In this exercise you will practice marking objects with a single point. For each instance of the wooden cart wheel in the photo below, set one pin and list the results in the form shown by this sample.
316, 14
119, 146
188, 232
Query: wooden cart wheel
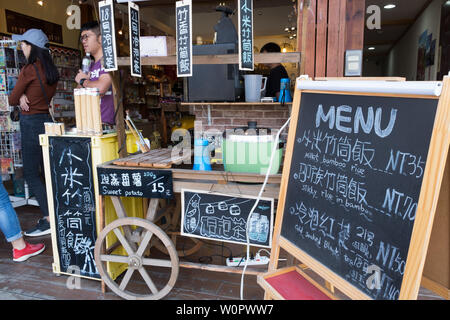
171, 224
135, 258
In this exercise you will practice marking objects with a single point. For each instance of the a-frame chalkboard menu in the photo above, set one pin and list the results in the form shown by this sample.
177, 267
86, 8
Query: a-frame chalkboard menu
361, 180
74, 206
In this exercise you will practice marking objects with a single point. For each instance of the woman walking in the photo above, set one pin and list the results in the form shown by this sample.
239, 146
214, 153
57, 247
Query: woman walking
34, 90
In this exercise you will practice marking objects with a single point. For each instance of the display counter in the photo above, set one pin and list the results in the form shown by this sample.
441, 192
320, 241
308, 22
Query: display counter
161, 226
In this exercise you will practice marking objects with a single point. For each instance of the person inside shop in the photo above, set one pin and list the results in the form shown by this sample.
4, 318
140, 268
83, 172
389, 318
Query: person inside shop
277, 72
34, 89
10, 226
97, 77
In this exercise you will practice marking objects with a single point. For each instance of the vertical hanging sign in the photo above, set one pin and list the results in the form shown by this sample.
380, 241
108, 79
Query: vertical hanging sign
135, 48
183, 15
245, 17
107, 28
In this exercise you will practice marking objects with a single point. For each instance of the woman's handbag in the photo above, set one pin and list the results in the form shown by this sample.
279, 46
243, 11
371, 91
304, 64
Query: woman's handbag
15, 114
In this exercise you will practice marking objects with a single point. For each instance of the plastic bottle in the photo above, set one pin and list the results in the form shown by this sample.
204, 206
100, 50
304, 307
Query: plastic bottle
253, 227
86, 63
263, 229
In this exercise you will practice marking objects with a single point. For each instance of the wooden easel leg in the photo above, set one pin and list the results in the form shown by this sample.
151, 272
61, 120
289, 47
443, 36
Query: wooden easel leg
102, 226
121, 213
152, 207
103, 287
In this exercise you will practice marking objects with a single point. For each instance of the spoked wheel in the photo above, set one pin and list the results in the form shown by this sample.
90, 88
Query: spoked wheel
171, 224
136, 245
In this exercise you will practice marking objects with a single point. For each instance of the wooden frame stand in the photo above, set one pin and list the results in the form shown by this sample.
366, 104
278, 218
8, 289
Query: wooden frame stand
415, 241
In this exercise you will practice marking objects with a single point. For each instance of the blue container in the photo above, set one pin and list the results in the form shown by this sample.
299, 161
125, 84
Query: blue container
201, 155
285, 92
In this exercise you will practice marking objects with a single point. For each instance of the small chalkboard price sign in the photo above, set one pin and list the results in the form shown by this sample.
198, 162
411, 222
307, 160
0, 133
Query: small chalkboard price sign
223, 217
74, 204
135, 183
107, 28
183, 18
363, 169
245, 18
135, 47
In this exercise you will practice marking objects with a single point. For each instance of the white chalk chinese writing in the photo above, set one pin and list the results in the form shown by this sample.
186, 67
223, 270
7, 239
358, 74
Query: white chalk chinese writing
184, 42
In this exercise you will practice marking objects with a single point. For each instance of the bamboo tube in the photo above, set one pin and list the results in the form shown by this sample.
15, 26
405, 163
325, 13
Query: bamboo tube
89, 128
77, 98
84, 112
96, 113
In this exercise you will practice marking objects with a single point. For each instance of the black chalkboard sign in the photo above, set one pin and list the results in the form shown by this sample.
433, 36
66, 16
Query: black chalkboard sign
354, 182
107, 28
74, 203
135, 183
245, 17
183, 16
223, 217
135, 46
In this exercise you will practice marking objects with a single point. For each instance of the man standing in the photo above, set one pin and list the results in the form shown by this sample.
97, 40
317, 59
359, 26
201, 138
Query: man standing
277, 72
97, 77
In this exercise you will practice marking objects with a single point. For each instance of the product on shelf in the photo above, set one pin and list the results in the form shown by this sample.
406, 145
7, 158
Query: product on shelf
4, 106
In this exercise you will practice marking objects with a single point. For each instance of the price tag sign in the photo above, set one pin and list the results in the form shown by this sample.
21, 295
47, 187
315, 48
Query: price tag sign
183, 15
245, 17
135, 183
135, 47
107, 28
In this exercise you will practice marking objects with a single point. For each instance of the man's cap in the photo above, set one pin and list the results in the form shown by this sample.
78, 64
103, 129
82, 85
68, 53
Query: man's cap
33, 36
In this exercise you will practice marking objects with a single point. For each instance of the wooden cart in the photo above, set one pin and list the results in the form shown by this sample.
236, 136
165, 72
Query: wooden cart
134, 246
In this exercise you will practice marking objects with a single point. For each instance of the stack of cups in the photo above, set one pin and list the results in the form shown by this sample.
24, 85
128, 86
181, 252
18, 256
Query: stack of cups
87, 111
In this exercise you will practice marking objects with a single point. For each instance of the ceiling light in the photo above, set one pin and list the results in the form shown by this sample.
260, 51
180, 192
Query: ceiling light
120, 32
390, 6
41, 3
371, 48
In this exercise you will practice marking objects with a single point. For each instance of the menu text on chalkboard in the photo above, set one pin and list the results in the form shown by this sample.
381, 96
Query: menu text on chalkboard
107, 28
74, 203
135, 47
183, 15
245, 16
223, 217
135, 183
354, 184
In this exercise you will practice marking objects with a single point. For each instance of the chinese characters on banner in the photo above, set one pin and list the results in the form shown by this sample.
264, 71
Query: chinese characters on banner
106, 10
135, 48
183, 15
245, 16
74, 203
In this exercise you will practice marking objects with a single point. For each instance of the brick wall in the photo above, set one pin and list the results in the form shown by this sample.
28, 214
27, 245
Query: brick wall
232, 116
223, 117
